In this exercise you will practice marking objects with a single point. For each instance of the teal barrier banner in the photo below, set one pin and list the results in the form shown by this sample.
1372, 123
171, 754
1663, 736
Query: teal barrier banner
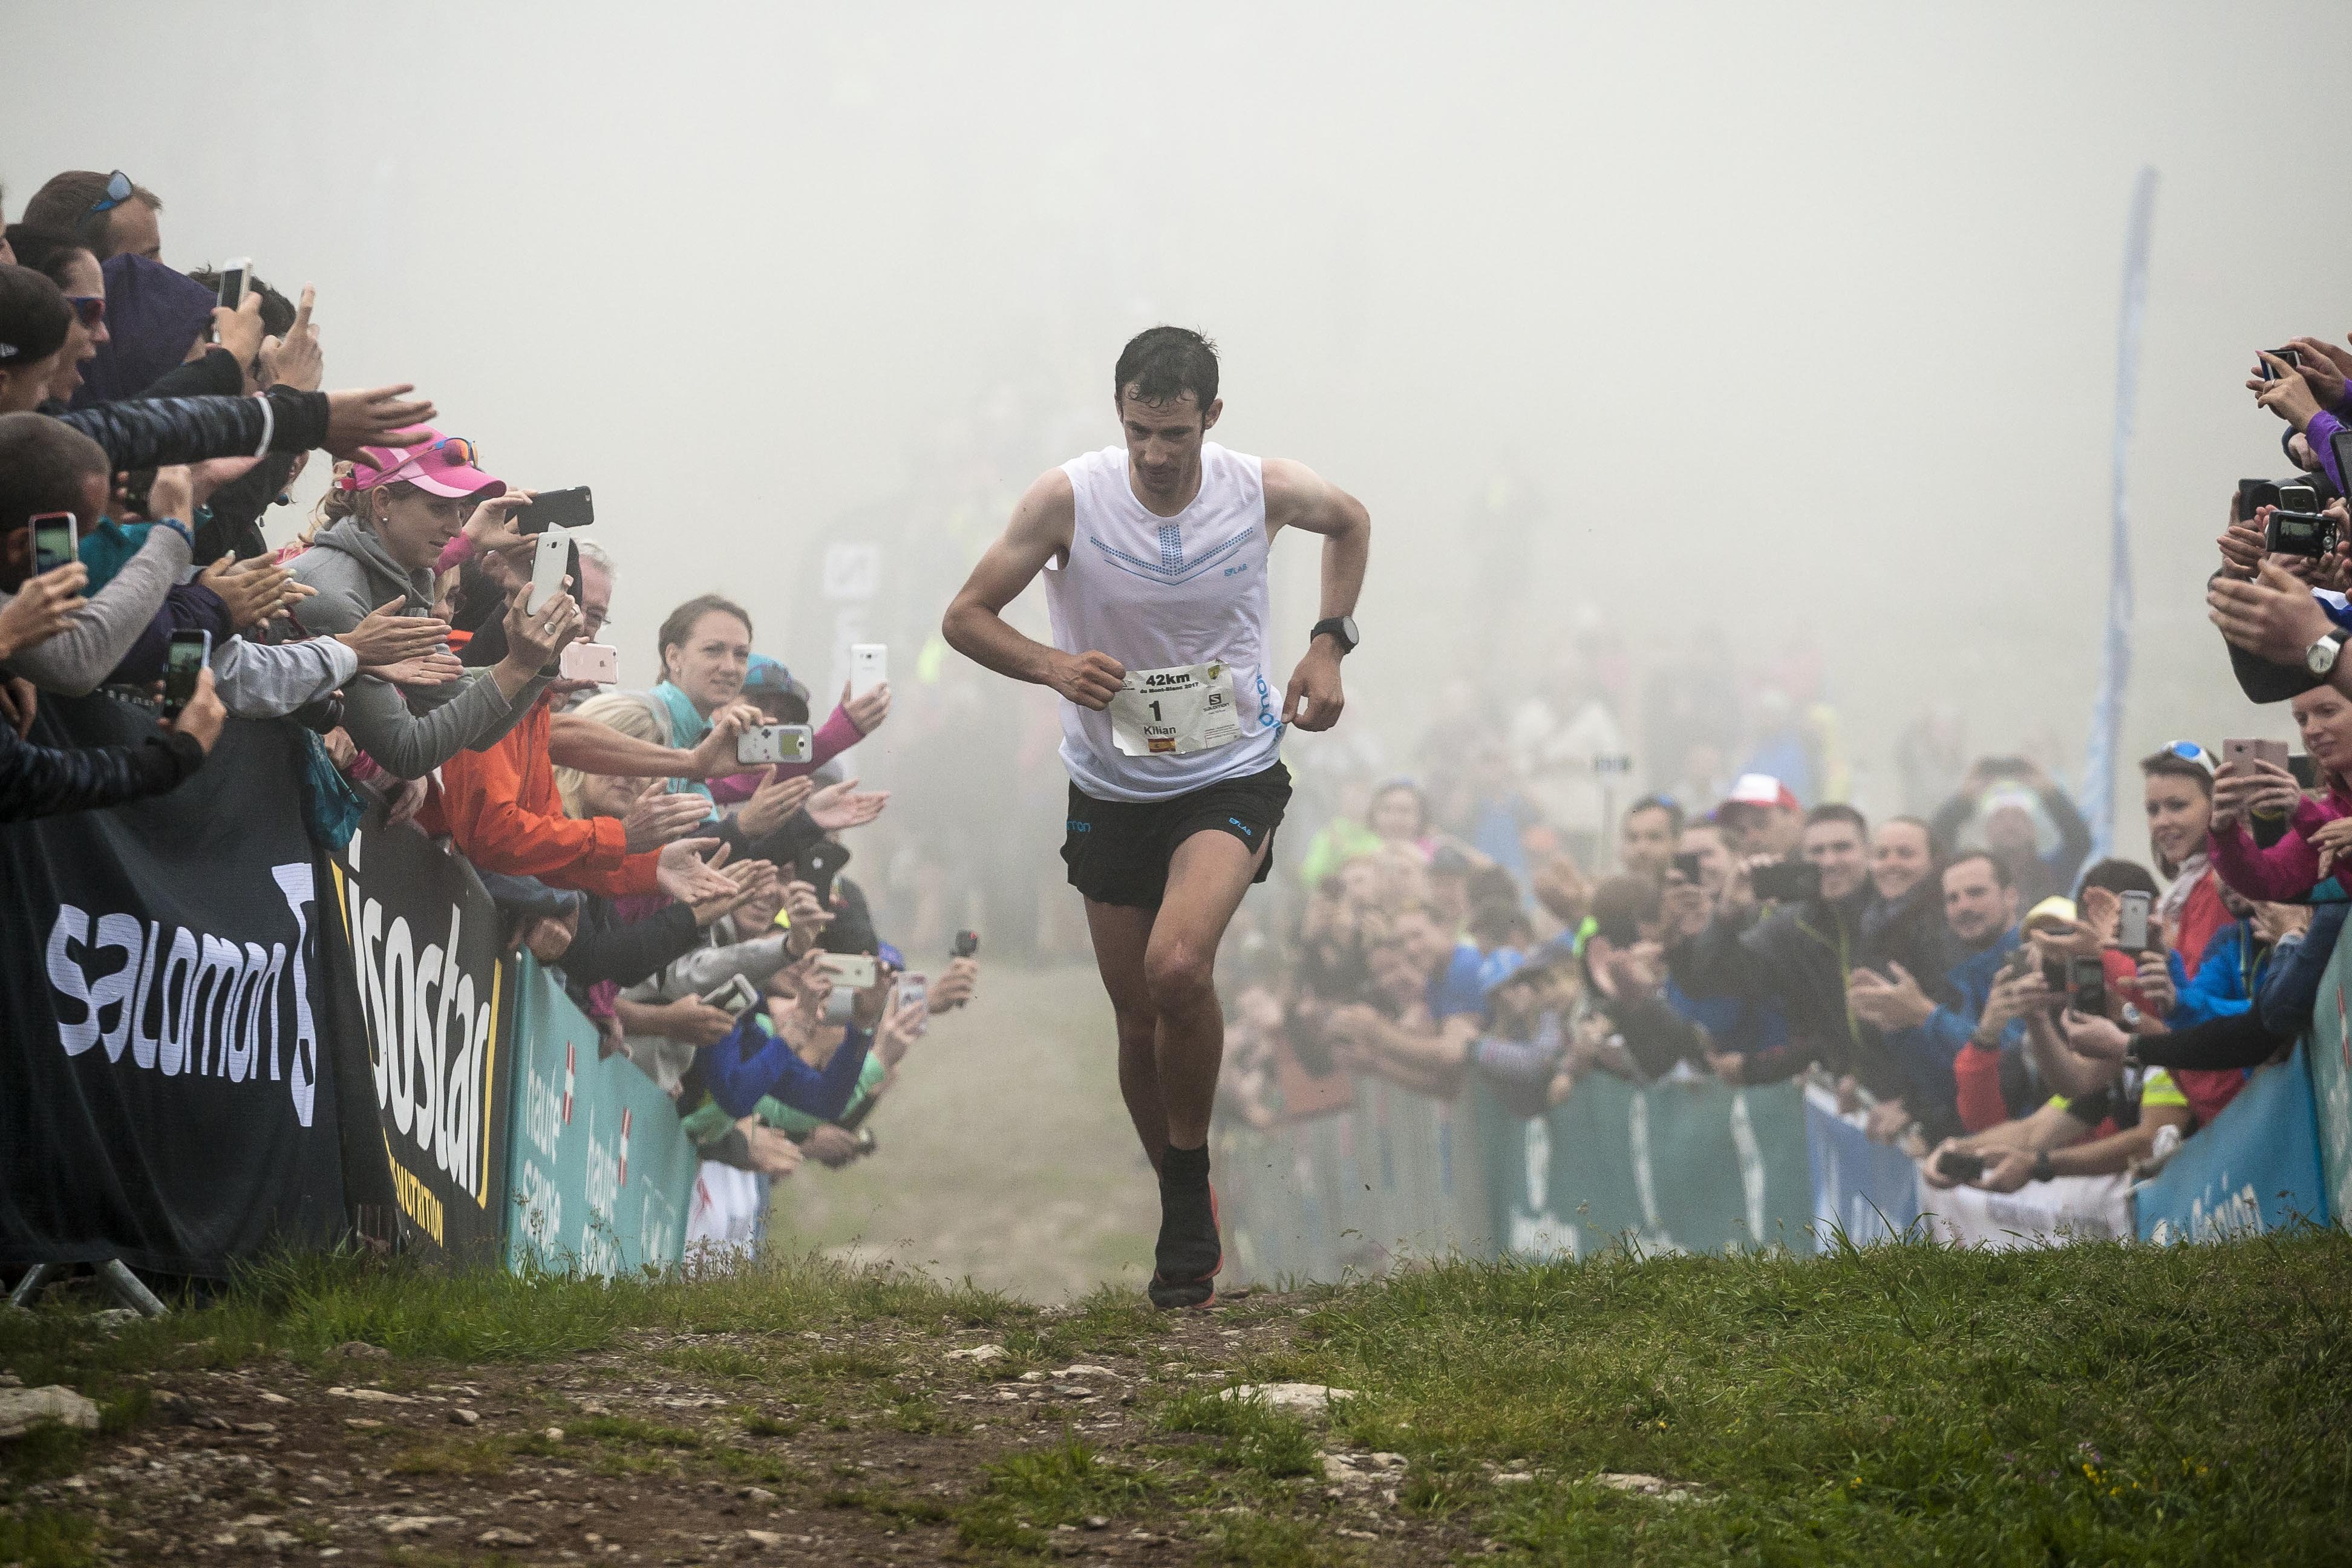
1684, 1165
2255, 1169
2330, 1054
603, 1172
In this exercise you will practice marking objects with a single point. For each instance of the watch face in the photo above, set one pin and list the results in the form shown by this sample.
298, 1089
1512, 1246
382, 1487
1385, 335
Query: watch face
1348, 630
2321, 656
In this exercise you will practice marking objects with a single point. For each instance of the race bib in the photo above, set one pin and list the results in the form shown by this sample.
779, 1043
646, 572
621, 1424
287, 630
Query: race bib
1173, 712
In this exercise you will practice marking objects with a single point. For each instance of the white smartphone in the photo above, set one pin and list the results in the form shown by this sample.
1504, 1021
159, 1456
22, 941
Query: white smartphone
851, 971
870, 666
236, 276
737, 996
548, 569
775, 744
597, 661
913, 989
2131, 927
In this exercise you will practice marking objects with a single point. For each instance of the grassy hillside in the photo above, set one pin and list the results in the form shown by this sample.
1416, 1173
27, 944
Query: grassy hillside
1902, 1404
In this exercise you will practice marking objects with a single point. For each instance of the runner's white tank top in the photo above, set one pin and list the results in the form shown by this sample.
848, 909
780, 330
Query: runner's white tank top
1154, 592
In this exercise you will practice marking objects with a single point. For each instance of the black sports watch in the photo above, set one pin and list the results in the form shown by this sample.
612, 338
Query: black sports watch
1340, 626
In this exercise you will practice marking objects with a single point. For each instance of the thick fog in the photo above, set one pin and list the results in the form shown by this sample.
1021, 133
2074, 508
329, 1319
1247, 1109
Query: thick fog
1723, 324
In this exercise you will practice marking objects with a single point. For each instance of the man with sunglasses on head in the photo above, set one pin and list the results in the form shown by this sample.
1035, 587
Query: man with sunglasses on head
1155, 555
109, 213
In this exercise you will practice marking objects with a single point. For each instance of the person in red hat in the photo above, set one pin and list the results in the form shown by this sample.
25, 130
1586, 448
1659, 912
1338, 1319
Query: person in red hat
1761, 817
392, 517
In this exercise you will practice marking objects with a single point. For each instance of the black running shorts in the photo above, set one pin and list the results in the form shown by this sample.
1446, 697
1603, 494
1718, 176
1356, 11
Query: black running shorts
1117, 850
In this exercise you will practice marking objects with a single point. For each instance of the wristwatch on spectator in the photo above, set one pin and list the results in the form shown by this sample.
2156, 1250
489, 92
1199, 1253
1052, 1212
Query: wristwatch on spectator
1340, 626
2041, 1171
2320, 656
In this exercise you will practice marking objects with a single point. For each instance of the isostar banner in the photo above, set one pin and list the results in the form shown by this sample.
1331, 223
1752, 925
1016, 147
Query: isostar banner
168, 1095
1863, 1191
2256, 1169
414, 946
602, 1172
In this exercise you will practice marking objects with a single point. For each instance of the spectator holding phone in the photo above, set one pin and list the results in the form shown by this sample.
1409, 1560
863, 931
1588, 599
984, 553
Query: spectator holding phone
393, 514
2312, 848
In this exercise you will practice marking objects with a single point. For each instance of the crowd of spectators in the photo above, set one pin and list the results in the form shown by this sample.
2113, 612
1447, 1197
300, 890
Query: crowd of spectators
690, 901
1991, 999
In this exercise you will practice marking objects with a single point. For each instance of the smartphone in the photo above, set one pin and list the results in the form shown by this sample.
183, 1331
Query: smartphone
56, 536
547, 569
870, 666
736, 997
2255, 752
1961, 1167
967, 944
2131, 930
183, 664
2086, 986
597, 661
1786, 882
775, 744
2021, 960
913, 989
1689, 867
235, 274
574, 508
820, 864
852, 971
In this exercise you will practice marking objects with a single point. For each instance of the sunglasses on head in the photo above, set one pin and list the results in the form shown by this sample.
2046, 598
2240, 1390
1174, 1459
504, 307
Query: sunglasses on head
2191, 751
118, 191
88, 309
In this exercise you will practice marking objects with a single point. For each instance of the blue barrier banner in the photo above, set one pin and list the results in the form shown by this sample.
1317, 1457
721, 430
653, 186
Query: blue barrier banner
602, 1170
1869, 1191
2255, 1169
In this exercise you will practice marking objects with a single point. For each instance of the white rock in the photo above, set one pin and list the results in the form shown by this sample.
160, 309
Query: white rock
1646, 1486
978, 1353
499, 1535
21, 1409
1512, 1478
412, 1523
372, 1395
768, 1538
1295, 1398
268, 1398
1036, 1377
1083, 1369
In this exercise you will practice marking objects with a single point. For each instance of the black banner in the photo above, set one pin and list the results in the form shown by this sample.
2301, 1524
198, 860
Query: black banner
168, 1095
417, 973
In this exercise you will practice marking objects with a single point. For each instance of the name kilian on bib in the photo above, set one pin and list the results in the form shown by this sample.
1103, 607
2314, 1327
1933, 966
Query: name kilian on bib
1175, 711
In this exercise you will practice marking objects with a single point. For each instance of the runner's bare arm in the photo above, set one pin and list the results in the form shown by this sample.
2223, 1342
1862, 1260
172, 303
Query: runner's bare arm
975, 626
1298, 496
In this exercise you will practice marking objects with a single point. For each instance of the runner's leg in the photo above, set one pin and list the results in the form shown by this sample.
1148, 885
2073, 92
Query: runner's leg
1121, 936
1207, 876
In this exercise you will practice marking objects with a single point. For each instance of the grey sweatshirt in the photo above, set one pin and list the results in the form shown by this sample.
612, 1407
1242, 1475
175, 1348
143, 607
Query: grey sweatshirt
409, 734
259, 680
73, 662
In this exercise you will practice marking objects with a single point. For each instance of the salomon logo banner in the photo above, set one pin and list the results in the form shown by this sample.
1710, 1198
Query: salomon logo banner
168, 1095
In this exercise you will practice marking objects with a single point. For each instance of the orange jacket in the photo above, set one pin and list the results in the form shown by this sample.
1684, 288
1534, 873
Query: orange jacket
501, 807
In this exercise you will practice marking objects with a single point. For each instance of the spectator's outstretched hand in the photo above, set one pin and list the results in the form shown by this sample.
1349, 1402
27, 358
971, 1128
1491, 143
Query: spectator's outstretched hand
2093, 1040
294, 360
2273, 617
1890, 1001
714, 756
957, 986
774, 801
18, 703
830, 1146
657, 818
240, 332
2006, 1170
202, 718
376, 417
43, 607
686, 877
252, 591
407, 799
867, 712
772, 1154
2286, 394
386, 635
809, 917
691, 1021
435, 668
837, 808
2324, 366
2332, 840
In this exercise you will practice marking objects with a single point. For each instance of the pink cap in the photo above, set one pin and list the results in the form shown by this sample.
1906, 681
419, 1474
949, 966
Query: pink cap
440, 465
1762, 789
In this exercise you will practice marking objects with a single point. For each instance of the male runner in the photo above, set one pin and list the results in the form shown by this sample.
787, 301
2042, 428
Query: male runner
1156, 557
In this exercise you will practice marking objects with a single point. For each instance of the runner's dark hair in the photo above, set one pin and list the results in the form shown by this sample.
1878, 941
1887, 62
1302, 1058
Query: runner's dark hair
1163, 363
